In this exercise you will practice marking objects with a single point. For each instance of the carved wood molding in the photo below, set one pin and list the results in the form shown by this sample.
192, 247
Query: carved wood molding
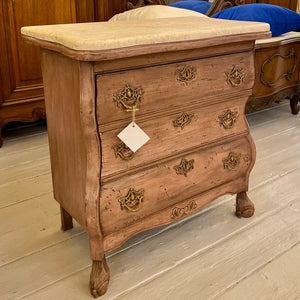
141, 3
219, 5
287, 75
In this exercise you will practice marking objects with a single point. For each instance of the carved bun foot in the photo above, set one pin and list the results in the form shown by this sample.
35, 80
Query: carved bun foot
294, 104
99, 278
244, 206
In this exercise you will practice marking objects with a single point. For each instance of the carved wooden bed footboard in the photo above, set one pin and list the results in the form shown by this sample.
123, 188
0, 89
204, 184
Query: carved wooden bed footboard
277, 72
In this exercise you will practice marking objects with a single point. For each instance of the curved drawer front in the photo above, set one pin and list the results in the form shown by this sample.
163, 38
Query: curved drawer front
134, 197
172, 134
169, 86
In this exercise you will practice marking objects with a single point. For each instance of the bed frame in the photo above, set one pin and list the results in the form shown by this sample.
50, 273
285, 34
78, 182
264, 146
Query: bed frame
276, 63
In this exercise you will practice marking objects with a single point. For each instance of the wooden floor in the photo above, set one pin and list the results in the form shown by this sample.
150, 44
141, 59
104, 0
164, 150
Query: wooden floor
211, 255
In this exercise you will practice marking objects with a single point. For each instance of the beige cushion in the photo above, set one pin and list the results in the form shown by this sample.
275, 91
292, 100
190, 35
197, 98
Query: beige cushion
155, 12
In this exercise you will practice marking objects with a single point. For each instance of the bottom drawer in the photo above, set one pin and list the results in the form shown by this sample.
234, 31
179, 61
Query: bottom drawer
134, 197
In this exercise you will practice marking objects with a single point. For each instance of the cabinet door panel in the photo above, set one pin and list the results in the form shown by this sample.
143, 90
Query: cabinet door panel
22, 69
105, 9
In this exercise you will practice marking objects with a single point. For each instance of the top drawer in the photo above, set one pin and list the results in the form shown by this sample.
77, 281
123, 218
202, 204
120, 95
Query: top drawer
170, 86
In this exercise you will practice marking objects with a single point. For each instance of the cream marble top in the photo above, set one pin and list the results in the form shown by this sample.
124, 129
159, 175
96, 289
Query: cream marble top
115, 35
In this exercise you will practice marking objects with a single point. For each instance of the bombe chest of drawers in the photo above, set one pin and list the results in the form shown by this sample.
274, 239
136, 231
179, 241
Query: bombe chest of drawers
187, 82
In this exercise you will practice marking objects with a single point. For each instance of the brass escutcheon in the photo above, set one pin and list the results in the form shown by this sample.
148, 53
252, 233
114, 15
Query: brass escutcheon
183, 120
123, 151
178, 212
228, 119
231, 161
129, 97
235, 76
186, 74
184, 167
132, 201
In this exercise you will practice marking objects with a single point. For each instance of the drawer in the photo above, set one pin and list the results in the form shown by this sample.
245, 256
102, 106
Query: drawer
131, 198
199, 126
165, 87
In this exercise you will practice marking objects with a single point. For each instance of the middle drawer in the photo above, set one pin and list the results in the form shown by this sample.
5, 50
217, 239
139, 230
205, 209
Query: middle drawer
171, 135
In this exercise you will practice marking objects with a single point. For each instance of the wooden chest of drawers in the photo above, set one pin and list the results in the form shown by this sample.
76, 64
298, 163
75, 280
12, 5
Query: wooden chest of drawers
190, 95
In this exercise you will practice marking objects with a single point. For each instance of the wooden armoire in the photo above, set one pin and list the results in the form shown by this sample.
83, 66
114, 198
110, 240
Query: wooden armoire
21, 89
291, 4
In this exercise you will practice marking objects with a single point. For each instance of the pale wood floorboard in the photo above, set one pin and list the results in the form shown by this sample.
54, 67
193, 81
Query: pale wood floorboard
268, 283
210, 255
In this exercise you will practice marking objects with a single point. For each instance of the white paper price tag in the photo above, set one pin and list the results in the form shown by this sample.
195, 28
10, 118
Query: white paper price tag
133, 136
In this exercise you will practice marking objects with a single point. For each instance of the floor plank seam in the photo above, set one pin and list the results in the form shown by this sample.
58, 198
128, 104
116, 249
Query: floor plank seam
273, 178
9, 140
43, 248
214, 297
8, 152
15, 181
55, 281
276, 134
26, 162
27, 199
37, 162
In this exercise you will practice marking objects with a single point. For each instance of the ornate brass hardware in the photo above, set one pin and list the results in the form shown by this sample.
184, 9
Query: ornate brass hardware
186, 74
123, 151
183, 120
179, 212
231, 161
289, 73
184, 167
132, 201
235, 76
128, 98
228, 119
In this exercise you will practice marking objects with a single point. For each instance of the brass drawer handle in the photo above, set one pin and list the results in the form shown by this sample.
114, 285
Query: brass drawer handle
129, 97
132, 201
183, 120
184, 167
235, 76
231, 161
123, 151
186, 74
178, 212
228, 119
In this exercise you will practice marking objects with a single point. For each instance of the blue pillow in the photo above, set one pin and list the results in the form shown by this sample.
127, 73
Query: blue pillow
281, 19
195, 5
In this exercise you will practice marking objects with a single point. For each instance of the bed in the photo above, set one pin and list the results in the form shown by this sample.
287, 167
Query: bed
276, 62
